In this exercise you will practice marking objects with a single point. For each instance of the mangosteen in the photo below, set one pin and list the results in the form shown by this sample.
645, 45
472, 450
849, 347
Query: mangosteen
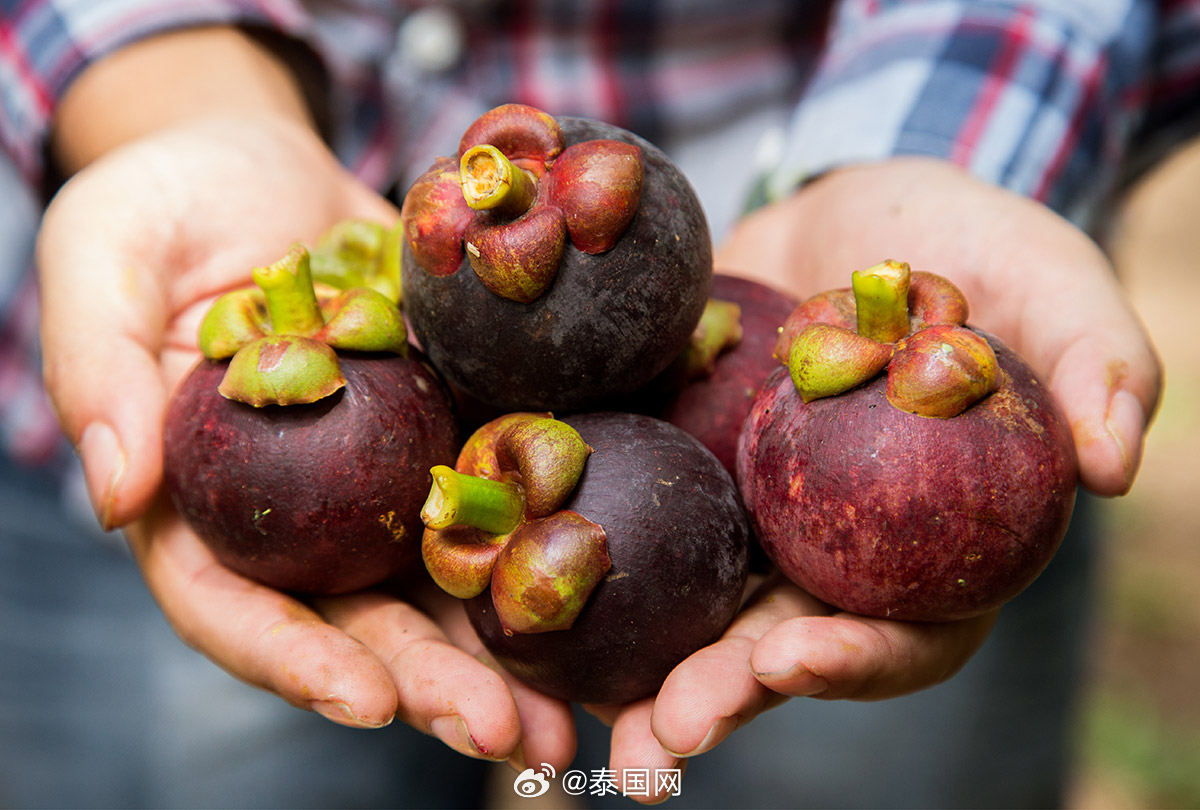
709, 388
298, 448
595, 552
904, 464
553, 262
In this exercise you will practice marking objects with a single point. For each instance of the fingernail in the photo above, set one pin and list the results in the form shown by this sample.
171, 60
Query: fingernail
796, 681
452, 730
103, 468
338, 712
719, 731
1125, 422
668, 790
516, 760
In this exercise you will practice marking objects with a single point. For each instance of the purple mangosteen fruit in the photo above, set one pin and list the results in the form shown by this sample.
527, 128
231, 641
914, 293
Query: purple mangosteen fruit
594, 552
709, 388
553, 262
903, 464
298, 449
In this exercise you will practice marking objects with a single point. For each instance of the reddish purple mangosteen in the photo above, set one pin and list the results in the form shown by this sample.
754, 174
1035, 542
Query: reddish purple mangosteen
298, 449
903, 464
553, 262
709, 388
595, 552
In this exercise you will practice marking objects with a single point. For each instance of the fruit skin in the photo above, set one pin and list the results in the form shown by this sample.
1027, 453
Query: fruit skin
889, 514
607, 325
678, 540
318, 498
713, 407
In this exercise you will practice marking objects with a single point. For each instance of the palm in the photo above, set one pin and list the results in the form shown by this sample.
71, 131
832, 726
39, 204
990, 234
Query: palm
142, 241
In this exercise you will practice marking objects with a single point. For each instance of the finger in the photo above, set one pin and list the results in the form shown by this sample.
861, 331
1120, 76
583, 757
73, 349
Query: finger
1108, 380
257, 634
548, 728
713, 691
442, 690
1068, 316
861, 658
547, 725
636, 756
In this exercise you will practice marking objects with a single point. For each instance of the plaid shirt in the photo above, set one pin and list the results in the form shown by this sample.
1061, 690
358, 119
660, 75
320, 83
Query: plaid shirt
1053, 99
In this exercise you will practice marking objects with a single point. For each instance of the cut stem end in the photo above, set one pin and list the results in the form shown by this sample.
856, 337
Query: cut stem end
491, 182
458, 499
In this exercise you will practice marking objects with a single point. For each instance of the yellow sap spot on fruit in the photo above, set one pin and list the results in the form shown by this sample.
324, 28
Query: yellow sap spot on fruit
398, 531
796, 486
962, 582
973, 557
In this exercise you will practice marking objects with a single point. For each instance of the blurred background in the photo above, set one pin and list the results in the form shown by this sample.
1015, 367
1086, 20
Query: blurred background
1138, 738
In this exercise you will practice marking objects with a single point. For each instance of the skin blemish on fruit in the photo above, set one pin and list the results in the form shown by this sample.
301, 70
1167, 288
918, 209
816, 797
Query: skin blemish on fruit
272, 355
796, 487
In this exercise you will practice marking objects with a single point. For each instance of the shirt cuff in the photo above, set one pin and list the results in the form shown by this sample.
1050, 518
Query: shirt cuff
45, 45
1033, 97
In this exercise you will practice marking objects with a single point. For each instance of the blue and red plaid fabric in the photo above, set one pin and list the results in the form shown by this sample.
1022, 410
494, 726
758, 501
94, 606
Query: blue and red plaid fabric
1052, 98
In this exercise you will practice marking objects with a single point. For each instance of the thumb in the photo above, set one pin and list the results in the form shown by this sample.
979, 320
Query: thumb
102, 317
1081, 333
1109, 389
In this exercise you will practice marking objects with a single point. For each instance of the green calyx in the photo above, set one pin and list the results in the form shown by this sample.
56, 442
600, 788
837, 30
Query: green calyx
719, 330
909, 323
497, 521
360, 253
281, 336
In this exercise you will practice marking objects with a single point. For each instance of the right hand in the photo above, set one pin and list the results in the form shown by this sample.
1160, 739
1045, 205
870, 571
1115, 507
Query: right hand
131, 252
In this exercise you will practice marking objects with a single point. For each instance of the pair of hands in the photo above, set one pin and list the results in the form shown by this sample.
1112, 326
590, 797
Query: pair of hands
136, 245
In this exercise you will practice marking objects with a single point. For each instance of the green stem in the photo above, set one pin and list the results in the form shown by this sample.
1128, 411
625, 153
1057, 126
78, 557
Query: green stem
291, 300
491, 182
881, 297
458, 499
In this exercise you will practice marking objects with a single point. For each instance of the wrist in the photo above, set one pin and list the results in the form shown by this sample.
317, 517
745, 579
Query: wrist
169, 80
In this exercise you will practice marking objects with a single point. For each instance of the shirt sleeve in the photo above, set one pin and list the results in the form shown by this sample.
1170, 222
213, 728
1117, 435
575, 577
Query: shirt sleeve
44, 44
1039, 97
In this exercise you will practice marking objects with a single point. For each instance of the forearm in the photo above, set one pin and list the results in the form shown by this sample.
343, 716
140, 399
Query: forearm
169, 79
